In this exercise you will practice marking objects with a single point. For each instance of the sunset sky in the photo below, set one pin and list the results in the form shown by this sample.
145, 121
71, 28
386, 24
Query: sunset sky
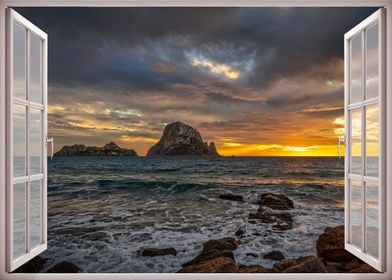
256, 81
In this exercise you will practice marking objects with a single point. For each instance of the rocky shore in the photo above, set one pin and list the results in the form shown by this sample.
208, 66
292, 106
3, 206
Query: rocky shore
217, 255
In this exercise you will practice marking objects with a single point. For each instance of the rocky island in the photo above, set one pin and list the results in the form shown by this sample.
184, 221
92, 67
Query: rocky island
110, 149
180, 139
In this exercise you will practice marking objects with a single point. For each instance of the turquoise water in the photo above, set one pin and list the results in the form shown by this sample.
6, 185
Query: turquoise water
102, 212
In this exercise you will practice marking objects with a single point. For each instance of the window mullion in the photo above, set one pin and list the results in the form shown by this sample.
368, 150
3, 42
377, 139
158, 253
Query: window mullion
363, 132
27, 142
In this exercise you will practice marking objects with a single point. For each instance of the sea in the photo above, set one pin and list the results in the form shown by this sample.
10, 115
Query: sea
103, 211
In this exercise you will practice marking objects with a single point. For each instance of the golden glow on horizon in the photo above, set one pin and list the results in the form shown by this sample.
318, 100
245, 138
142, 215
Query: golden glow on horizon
216, 68
239, 149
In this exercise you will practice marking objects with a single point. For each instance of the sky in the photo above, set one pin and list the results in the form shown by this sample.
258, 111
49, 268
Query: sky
256, 81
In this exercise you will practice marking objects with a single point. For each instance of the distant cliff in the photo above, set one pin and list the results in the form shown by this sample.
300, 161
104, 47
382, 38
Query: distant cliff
180, 139
110, 149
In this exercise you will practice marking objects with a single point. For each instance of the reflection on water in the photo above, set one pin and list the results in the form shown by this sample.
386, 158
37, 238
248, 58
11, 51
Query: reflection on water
104, 211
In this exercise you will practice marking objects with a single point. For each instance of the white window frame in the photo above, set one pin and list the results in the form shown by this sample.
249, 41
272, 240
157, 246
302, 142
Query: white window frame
200, 3
376, 18
13, 17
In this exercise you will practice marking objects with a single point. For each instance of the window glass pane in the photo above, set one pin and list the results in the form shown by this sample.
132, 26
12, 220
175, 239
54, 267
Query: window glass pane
372, 140
19, 141
372, 227
19, 219
35, 93
19, 61
372, 62
35, 213
356, 213
356, 69
356, 138
35, 126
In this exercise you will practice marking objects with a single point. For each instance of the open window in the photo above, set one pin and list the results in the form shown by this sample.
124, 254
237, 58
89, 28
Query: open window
365, 140
26, 138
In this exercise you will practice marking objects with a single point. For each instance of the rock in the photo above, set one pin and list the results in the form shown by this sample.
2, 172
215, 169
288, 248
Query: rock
364, 268
230, 196
180, 139
333, 269
253, 269
239, 232
214, 249
278, 220
276, 201
227, 243
284, 264
330, 245
110, 149
274, 255
314, 265
209, 255
216, 265
252, 255
64, 267
35, 265
214, 257
352, 264
305, 259
153, 252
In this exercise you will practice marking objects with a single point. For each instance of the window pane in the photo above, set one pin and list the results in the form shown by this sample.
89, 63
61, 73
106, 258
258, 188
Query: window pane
372, 62
19, 61
372, 140
35, 141
356, 213
19, 219
356, 144
356, 69
35, 213
35, 93
19, 141
372, 227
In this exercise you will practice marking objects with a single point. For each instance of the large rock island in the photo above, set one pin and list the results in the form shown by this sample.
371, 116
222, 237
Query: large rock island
110, 149
180, 139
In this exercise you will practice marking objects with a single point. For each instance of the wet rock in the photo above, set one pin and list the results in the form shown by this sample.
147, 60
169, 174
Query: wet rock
352, 264
239, 232
227, 243
253, 269
310, 265
216, 265
180, 139
252, 255
284, 264
305, 259
364, 268
330, 245
279, 220
276, 201
64, 267
153, 252
274, 255
288, 263
35, 265
233, 197
333, 269
214, 249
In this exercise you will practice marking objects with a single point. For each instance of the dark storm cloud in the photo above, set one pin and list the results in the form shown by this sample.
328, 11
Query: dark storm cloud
282, 40
263, 76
